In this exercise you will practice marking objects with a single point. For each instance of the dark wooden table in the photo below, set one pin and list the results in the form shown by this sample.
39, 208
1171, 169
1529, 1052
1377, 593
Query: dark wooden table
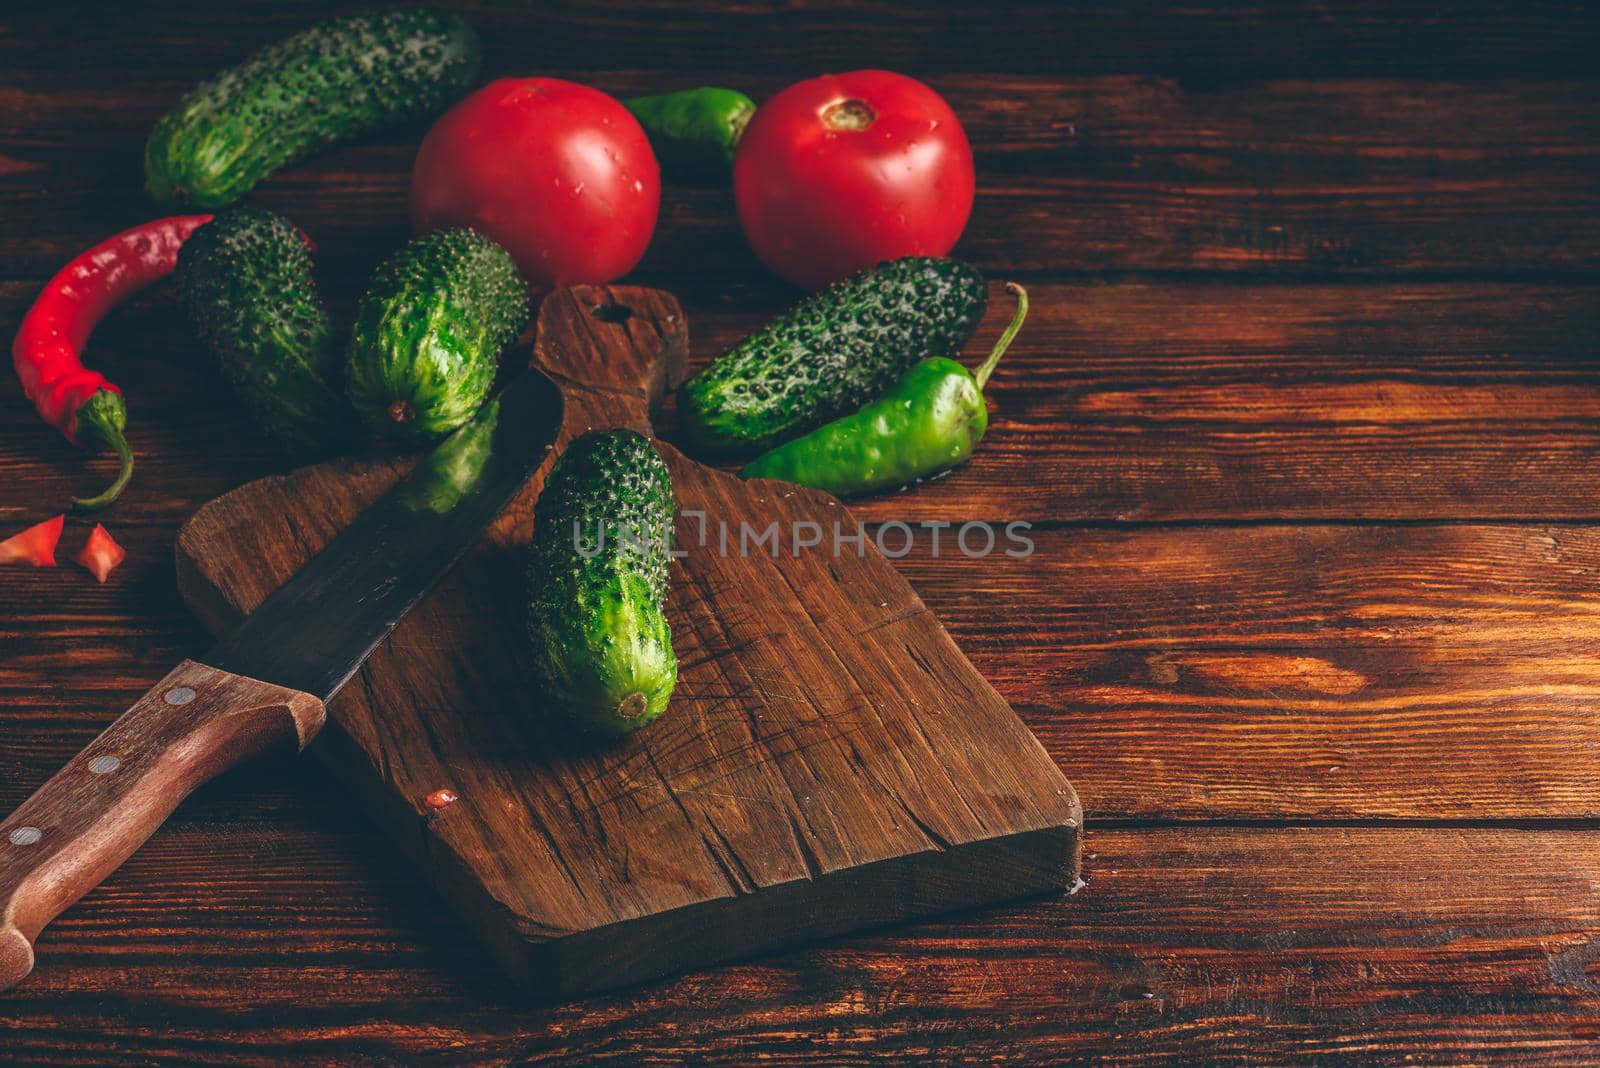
1307, 421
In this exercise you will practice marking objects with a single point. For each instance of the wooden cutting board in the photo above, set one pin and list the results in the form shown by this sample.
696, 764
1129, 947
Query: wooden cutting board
830, 760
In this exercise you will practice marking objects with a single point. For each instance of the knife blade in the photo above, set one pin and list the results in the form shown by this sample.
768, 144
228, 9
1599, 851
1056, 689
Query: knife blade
315, 630
268, 680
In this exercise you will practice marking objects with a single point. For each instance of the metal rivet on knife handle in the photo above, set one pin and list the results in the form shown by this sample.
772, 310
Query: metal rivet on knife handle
195, 724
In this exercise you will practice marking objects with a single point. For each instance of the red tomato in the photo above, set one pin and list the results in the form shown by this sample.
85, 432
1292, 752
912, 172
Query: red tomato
558, 173
841, 172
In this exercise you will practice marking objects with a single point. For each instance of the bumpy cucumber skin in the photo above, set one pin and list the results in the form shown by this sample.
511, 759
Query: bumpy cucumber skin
831, 353
428, 334
340, 79
598, 622
245, 283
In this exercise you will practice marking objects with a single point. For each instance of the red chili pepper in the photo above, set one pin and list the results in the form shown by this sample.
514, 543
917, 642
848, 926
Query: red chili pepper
47, 353
36, 545
100, 554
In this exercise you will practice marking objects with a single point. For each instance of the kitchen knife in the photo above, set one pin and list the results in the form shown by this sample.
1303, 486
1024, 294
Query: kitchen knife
266, 683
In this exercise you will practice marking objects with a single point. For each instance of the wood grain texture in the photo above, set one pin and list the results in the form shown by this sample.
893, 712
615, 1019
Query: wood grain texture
1358, 345
1090, 175
1137, 403
1132, 401
1187, 944
1123, 173
77, 828
686, 39
1326, 671
1308, 671
830, 760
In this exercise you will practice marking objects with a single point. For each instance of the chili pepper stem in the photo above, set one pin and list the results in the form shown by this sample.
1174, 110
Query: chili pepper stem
103, 417
113, 491
999, 350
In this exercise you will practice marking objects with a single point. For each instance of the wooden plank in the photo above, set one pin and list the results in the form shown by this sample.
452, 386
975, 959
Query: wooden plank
1442, 350
690, 42
306, 942
830, 762
303, 940
1336, 671
1304, 671
1134, 401
1112, 173
1144, 402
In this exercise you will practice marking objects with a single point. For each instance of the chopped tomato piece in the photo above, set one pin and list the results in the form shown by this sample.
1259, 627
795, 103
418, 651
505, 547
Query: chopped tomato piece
36, 545
101, 554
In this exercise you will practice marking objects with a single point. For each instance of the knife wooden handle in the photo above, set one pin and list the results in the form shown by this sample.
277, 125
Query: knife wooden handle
90, 817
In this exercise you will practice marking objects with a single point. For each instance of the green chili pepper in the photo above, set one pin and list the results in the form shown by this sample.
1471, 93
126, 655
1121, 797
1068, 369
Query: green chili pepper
694, 131
929, 422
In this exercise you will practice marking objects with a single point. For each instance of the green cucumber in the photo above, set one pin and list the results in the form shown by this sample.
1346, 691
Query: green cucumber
244, 281
831, 354
451, 469
428, 334
598, 583
338, 80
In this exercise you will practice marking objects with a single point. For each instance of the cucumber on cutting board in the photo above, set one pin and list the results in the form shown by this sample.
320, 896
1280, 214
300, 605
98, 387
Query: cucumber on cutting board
428, 334
831, 353
340, 79
244, 281
598, 582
